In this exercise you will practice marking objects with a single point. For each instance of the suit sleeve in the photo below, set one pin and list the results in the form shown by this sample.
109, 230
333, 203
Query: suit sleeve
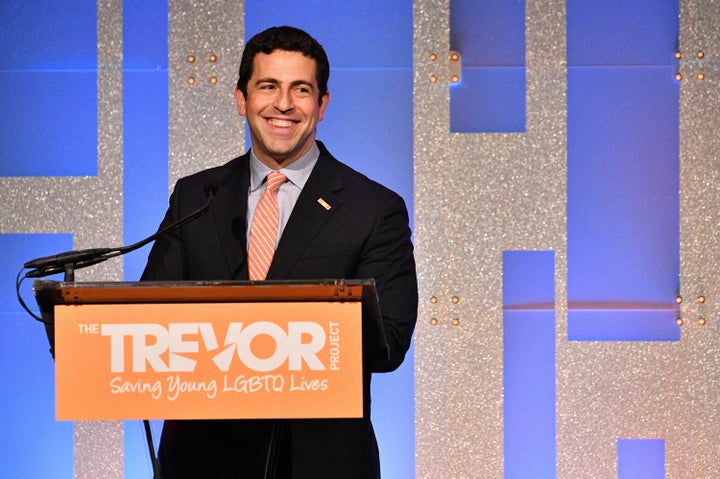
388, 257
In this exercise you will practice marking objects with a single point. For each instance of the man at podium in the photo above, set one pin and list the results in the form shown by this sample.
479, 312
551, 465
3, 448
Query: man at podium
287, 210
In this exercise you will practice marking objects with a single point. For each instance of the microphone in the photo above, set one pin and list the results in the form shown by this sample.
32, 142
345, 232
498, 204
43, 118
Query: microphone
69, 257
71, 260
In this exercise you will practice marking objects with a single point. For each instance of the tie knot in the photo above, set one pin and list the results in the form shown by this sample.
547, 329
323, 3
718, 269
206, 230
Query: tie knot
274, 180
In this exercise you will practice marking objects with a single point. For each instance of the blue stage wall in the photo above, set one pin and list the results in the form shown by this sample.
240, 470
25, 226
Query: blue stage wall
622, 103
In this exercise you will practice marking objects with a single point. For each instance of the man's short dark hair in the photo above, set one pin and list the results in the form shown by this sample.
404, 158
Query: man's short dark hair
286, 38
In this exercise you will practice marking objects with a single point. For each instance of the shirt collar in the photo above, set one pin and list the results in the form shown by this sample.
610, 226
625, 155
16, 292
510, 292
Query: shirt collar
296, 172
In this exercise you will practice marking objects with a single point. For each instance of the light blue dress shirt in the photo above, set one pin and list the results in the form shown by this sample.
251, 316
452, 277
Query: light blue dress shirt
297, 174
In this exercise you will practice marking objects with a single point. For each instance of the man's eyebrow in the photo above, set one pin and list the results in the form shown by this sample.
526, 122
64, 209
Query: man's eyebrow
303, 82
266, 80
274, 81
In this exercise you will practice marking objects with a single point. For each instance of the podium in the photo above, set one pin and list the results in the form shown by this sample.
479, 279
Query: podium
211, 350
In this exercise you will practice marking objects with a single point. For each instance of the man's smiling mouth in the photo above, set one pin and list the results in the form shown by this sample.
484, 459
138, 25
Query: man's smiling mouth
280, 123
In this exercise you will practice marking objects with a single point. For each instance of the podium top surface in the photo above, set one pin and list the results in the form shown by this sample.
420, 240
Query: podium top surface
49, 293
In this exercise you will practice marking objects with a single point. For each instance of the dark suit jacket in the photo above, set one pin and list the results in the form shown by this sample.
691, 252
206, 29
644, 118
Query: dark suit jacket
364, 234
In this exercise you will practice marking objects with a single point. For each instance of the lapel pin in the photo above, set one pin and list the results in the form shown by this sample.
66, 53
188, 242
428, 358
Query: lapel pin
324, 204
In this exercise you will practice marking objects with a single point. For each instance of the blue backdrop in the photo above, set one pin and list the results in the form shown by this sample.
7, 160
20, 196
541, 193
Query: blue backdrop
623, 143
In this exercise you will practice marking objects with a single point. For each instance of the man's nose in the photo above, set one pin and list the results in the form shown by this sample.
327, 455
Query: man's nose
284, 102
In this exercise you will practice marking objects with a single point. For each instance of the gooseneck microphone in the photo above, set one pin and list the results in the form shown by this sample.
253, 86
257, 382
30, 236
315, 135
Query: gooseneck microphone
50, 262
69, 261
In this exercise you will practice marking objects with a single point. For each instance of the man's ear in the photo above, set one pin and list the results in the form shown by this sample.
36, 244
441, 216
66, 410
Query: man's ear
324, 100
240, 101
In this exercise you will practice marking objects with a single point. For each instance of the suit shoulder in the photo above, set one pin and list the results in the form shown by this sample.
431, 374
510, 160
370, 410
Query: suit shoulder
358, 179
350, 177
369, 191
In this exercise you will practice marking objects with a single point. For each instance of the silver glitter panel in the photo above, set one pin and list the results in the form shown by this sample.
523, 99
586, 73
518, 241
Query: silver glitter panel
499, 192
699, 234
99, 444
205, 44
507, 191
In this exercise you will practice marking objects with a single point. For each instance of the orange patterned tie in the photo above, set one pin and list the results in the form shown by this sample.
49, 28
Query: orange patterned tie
264, 229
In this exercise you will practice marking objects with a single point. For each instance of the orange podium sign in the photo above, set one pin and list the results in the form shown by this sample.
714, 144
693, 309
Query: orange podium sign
135, 354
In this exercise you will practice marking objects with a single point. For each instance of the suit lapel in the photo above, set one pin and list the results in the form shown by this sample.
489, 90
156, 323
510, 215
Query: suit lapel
229, 214
318, 201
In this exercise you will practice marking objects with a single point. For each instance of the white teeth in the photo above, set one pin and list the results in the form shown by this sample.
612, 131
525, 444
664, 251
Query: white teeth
281, 123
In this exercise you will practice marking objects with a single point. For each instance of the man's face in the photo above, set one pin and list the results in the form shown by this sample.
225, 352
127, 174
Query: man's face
282, 106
